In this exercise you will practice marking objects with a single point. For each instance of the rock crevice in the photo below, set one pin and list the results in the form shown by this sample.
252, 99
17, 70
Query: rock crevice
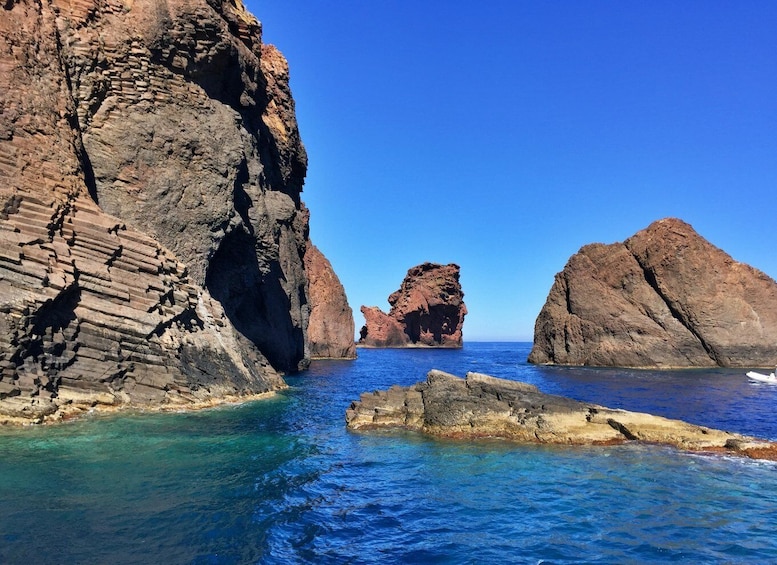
677, 313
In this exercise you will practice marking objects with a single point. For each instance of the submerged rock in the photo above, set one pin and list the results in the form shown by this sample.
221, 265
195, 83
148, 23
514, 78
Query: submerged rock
427, 310
482, 406
151, 227
331, 327
664, 298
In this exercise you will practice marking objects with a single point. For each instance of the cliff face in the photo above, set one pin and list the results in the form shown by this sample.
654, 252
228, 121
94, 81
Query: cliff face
331, 327
664, 298
428, 309
152, 233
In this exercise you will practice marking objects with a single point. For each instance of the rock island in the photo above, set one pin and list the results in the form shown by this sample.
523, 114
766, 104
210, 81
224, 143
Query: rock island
482, 406
427, 310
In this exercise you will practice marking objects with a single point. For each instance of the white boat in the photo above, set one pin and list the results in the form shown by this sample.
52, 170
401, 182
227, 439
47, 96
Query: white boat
770, 378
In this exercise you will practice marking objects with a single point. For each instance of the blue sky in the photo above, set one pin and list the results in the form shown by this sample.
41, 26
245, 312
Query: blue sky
505, 135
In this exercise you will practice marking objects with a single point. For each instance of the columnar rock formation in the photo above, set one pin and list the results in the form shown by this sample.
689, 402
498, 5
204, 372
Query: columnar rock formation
483, 406
331, 327
427, 310
151, 229
663, 298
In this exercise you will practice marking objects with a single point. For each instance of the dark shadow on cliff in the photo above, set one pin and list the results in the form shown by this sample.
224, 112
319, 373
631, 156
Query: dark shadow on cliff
240, 198
440, 321
255, 302
54, 318
89, 178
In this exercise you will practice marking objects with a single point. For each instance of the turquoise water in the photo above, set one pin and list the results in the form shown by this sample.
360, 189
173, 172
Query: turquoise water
282, 481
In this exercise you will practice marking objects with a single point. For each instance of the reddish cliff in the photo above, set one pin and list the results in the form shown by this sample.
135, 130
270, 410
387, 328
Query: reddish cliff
428, 309
151, 228
331, 327
665, 297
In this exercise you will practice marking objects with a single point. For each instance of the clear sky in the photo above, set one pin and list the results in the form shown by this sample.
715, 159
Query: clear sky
505, 135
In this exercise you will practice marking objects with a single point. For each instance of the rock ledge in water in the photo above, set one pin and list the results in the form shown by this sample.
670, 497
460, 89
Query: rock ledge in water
482, 406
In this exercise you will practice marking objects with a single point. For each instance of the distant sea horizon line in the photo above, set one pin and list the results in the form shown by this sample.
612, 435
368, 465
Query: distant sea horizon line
477, 340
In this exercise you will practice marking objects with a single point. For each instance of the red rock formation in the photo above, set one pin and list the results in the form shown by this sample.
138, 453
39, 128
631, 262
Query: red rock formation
664, 298
381, 330
428, 309
331, 327
151, 228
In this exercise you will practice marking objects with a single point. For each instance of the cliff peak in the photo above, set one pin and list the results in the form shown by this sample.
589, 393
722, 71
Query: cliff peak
665, 297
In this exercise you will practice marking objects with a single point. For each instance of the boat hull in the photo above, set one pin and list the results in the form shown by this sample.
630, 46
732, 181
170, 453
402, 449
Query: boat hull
760, 377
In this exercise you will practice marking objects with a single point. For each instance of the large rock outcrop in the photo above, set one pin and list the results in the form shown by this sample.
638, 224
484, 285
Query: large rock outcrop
427, 310
151, 229
663, 298
482, 406
331, 327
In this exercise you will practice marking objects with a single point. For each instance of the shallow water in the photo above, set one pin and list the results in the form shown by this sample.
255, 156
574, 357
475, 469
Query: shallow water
282, 481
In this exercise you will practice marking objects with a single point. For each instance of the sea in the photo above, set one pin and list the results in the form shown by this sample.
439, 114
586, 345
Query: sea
281, 480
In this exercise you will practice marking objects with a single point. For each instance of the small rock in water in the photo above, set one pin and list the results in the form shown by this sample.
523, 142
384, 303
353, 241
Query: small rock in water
481, 406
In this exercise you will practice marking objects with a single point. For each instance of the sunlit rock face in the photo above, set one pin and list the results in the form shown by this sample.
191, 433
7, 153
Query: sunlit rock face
427, 310
331, 327
665, 297
152, 230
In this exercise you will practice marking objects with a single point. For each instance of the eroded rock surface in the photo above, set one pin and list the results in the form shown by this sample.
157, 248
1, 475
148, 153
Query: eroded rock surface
151, 229
482, 406
427, 310
664, 298
331, 327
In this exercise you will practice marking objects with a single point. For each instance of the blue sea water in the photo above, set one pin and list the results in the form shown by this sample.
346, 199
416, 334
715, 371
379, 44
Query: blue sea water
282, 481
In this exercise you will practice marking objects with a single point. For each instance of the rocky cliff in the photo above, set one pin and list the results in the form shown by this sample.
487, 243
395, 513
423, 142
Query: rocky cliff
481, 406
152, 233
331, 327
427, 310
665, 297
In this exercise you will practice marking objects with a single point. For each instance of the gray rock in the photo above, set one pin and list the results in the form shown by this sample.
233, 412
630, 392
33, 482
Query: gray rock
482, 406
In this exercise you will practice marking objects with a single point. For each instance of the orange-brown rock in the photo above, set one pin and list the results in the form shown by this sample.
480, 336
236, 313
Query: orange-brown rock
151, 229
427, 310
331, 326
664, 298
381, 330
482, 406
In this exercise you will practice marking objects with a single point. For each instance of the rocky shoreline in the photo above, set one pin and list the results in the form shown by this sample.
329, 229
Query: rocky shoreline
72, 412
155, 252
152, 232
69, 412
482, 406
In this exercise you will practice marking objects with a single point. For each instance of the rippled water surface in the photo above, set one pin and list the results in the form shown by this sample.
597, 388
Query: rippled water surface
282, 481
